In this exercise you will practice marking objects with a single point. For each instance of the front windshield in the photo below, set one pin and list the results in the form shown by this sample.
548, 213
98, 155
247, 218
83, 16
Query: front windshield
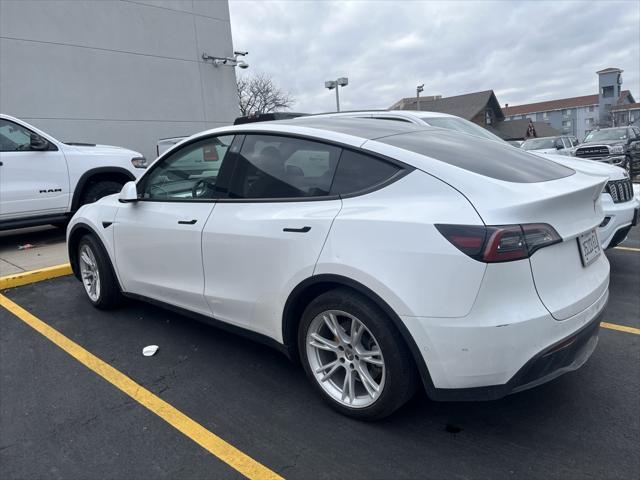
539, 143
461, 125
608, 134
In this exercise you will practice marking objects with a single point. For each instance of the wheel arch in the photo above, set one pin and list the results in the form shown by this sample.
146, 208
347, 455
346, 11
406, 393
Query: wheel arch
100, 173
78, 231
316, 285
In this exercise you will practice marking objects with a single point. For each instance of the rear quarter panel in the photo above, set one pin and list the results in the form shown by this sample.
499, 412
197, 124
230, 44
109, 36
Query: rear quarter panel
386, 240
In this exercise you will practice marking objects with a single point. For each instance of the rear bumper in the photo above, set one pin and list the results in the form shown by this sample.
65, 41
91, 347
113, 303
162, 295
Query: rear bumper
506, 344
564, 356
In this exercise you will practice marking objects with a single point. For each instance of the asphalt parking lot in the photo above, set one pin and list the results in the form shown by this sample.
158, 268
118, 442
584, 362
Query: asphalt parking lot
59, 419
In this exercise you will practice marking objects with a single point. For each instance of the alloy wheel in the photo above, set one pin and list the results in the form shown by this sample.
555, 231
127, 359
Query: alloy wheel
345, 358
89, 272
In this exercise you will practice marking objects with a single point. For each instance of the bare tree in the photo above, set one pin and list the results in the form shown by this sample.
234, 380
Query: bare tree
258, 94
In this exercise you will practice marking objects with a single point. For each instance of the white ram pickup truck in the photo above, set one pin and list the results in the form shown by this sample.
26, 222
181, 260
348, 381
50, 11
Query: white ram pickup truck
44, 181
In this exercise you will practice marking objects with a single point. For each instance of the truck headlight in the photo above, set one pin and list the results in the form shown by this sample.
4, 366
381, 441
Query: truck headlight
139, 162
617, 149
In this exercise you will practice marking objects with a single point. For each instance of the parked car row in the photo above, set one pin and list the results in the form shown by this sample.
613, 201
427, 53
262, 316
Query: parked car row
381, 249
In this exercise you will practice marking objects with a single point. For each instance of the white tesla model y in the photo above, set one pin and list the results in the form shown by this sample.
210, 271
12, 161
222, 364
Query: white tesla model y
380, 254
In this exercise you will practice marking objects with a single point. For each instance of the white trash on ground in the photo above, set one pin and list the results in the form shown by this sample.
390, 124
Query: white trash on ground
150, 350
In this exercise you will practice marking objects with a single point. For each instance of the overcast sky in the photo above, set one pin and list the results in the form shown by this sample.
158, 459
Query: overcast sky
524, 51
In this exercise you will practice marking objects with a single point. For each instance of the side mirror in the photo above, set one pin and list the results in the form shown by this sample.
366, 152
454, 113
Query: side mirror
129, 193
36, 142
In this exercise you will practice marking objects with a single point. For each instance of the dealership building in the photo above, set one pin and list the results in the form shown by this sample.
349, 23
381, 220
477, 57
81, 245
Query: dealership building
117, 72
579, 115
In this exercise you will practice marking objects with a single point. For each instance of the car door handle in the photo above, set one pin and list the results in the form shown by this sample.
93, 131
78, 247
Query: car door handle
187, 222
297, 230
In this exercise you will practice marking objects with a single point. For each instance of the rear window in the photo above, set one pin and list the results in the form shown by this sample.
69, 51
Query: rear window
491, 159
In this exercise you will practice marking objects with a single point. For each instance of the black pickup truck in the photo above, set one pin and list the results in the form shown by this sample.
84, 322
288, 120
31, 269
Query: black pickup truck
617, 145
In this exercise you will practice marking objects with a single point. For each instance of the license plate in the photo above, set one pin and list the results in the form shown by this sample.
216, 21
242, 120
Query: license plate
589, 247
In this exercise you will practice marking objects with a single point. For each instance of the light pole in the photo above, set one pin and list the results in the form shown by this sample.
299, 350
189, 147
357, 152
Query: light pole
331, 84
419, 88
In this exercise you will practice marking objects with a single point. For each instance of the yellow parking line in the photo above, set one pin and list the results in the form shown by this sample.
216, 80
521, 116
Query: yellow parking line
629, 249
620, 328
226, 452
25, 278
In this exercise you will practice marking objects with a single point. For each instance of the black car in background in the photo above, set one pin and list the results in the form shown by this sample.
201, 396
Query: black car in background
617, 145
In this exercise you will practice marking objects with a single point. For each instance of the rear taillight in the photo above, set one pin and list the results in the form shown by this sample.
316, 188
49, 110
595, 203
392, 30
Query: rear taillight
501, 243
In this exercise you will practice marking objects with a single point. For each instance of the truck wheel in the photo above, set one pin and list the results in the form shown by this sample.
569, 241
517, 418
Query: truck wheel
98, 190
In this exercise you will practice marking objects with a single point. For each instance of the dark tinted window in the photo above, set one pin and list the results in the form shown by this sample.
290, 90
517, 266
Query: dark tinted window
271, 166
491, 159
357, 171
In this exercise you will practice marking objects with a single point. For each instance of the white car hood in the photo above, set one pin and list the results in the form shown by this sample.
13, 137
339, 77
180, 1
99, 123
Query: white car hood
102, 150
587, 166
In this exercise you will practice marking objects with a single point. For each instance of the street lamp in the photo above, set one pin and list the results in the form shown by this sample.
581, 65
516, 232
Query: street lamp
419, 88
331, 84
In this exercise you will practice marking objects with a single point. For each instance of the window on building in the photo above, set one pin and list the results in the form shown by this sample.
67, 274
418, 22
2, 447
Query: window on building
545, 115
607, 91
588, 121
488, 117
566, 123
591, 108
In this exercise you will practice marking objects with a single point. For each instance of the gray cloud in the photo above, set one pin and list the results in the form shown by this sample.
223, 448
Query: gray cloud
524, 51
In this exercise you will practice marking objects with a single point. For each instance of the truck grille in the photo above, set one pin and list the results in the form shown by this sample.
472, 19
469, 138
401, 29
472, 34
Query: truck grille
587, 152
620, 190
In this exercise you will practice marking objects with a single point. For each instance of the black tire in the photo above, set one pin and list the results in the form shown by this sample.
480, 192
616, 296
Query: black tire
96, 191
109, 296
400, 378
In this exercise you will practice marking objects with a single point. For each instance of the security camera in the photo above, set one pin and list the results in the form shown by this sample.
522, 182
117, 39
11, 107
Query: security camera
241, 53
242, 64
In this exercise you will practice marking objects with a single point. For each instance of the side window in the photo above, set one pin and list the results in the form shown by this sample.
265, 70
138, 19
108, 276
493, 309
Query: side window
13, 137
357, 171
567, 142
189, 173
271, 166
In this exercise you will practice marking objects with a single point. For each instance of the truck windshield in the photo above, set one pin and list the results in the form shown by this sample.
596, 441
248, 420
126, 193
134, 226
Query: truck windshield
539, 143
607, 134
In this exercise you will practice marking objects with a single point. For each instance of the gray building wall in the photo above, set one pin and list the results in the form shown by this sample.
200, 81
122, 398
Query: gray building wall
577, 121
116, 72
609, 81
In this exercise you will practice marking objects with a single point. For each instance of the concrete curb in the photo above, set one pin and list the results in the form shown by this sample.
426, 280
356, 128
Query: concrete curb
33, 276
